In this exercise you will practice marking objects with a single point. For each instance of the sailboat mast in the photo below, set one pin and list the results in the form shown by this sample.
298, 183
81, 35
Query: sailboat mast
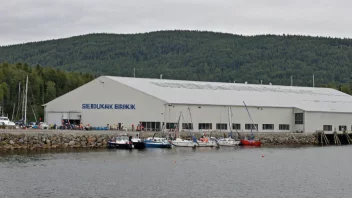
25, 104
13, 111
22, 109
250, 118
230, 120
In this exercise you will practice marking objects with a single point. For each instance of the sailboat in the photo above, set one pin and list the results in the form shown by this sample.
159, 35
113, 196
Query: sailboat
229, 141
203, 142
158, 142
251, 140
181, 142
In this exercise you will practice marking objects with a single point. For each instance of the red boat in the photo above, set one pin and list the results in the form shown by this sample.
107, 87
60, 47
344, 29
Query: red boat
251, 143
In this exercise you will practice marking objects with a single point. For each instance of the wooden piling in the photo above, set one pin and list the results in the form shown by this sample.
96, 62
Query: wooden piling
336, 138
349, 140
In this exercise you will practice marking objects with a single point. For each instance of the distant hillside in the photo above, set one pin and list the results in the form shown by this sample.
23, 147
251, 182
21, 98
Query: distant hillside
195, 55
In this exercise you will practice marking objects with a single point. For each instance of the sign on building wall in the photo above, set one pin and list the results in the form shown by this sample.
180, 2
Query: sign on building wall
108, 106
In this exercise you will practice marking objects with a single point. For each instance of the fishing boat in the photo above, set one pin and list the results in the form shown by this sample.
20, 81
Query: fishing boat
125, 142
229, 141
157, 142
251, 140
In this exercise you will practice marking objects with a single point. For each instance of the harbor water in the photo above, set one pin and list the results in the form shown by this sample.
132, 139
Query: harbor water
179, 172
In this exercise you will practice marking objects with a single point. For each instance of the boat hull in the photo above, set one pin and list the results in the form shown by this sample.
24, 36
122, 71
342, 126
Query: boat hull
157, 145
207, 144
230, 143
134, 145
250, 143
184, 143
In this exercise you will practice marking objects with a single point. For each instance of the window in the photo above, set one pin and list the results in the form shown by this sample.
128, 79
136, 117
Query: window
187, 126
236, 126
170, 125
150, 126
205, 126
251, 126
284, 127
327, 127
342, 127
298, 118
221, 126
268, 127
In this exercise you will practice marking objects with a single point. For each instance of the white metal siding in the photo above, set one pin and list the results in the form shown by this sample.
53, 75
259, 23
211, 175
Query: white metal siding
219, 114
106, 91
315, 121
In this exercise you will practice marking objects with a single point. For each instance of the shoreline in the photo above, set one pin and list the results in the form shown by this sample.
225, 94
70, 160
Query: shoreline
63, 139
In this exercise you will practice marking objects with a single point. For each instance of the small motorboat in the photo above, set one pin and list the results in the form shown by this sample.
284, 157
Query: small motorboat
156, 142
125, 142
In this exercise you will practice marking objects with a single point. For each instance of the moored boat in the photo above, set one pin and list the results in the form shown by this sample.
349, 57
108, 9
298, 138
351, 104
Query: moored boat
125, 142
156, 142
251, 143
228, 142
183, 143
207, 142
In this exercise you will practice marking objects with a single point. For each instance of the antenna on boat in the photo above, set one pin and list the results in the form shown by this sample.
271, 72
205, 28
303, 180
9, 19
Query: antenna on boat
161, 76
134, 72
291, 80
313, 80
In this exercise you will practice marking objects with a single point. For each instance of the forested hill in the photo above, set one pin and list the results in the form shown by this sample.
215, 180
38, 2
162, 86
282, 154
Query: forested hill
44, 85
195, 55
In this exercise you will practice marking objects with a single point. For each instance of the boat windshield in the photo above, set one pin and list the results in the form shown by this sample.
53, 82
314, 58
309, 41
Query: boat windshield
3, 118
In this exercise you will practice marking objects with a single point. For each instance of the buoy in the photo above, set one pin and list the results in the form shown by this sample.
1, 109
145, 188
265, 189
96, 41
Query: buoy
262, 155
175, 161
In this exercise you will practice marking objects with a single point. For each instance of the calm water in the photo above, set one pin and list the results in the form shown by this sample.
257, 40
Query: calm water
180, 172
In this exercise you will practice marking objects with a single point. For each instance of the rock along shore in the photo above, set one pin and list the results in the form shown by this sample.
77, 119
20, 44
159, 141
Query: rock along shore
62, 139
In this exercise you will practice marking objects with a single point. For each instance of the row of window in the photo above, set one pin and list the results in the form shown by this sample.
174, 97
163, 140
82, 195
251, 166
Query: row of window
329, 127
235, 126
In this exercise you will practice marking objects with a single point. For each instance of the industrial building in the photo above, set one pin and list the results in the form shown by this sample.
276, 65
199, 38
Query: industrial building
203, 105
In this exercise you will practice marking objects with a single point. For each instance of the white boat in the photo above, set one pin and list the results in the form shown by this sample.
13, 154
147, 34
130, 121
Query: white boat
204, 142
183, 143
5, 121
229, 141
207, 142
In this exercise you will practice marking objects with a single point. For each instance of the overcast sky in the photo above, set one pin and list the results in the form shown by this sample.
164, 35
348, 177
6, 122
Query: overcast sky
35, 20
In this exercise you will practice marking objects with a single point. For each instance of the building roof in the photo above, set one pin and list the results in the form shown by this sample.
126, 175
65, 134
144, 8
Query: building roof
233, 94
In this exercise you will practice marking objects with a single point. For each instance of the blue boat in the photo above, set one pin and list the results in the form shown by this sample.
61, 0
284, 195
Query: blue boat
155, 142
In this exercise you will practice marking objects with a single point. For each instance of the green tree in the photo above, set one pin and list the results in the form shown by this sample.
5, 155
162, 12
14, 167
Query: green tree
50, 91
